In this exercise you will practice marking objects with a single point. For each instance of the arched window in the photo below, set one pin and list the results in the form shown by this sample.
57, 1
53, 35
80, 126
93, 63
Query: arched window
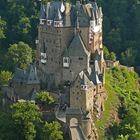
66, 62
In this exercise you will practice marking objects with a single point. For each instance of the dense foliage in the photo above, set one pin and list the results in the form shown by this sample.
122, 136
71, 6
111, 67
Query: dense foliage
21, 17
18, 55
25, 116
44, 100
121, 29
5, 76
25, 123
125, 83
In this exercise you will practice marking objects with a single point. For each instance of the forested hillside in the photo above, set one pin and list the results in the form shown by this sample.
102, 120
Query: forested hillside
121, 29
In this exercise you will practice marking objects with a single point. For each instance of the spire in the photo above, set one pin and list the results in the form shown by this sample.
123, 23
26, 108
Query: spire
62, 9
77, 26
42, 12
58, 16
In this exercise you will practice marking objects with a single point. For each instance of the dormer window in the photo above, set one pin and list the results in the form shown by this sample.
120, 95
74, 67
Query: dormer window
49, 22
42, 21
66, 62
84, 87
58, 23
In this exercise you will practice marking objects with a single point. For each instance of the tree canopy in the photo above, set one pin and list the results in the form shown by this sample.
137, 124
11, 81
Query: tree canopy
44, 99
25, 116
5, 76
52, 131
19, 55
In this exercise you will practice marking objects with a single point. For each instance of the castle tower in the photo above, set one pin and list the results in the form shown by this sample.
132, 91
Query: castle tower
82, 93
64, 52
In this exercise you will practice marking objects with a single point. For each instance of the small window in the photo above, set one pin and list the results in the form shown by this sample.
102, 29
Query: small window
66, 62
80, 58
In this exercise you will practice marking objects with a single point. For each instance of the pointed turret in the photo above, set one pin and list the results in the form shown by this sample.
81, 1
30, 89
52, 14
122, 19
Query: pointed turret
58, 16
58, 21
42, 14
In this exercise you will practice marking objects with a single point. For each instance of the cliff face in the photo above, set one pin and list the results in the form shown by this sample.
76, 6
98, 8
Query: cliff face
121, 108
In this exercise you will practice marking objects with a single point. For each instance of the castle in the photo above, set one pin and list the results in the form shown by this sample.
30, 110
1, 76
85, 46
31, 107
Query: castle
70, 52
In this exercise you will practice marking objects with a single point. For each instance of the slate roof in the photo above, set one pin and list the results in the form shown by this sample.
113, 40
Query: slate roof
85, 12
58, 16
28, 76
42, 12
77, 47
84, 79
94, 77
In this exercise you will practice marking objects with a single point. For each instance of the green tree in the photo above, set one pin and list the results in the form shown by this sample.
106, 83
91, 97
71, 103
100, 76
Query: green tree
121, 137
25, 116
51, 131
5, 76
44, 99
108, 55
2, 28
129, 57
8, 128
19, 55
113, 56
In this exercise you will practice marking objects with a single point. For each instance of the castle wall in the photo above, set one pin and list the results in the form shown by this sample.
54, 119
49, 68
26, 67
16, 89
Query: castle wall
25, 91
55, 41
86, 127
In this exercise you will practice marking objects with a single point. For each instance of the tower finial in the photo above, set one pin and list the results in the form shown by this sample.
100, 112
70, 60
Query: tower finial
77, 29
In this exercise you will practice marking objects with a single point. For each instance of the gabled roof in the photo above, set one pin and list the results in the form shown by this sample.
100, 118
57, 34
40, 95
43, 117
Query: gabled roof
83, 11
84, 79
58, 16
94, 77
96, 67
28, 76
77, 47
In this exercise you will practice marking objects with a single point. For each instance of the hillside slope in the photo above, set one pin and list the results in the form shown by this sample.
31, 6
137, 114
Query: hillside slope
121, 118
